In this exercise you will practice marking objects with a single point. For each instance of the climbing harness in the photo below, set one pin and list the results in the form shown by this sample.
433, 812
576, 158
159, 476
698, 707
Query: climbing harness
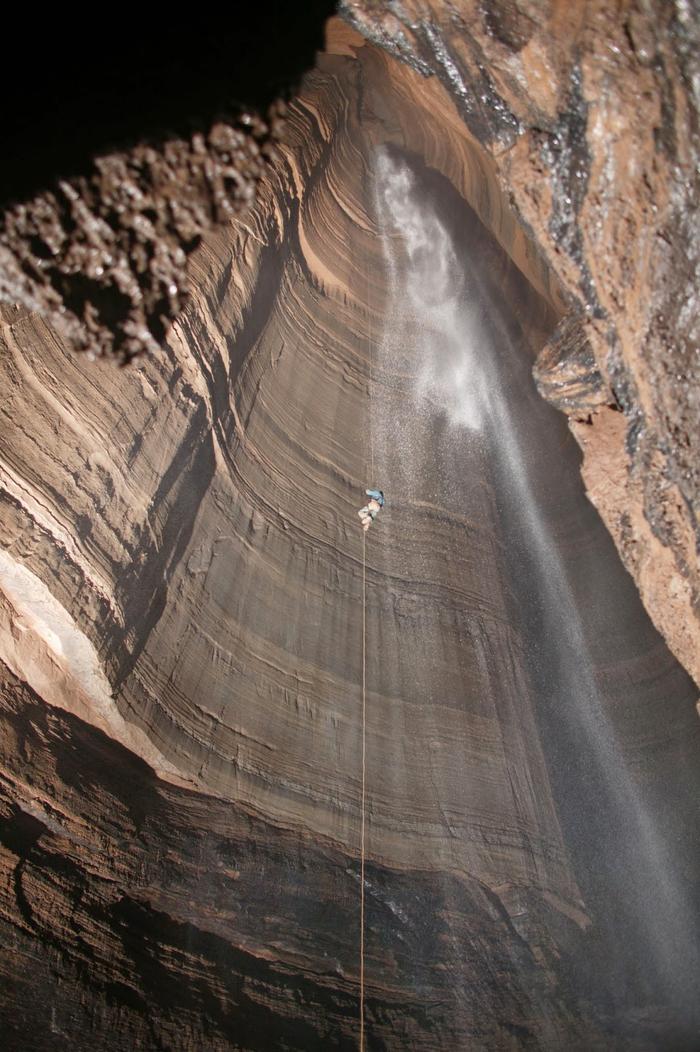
368, 514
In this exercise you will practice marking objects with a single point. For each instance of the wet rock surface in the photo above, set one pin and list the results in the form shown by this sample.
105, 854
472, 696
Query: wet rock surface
592, 119
138, 914
181, 622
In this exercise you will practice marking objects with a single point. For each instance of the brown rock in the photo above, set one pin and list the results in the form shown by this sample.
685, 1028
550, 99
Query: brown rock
182, 639
592, 120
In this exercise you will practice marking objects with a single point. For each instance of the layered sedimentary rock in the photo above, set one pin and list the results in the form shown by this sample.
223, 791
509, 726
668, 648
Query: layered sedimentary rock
591, 118
182, 642
590, 122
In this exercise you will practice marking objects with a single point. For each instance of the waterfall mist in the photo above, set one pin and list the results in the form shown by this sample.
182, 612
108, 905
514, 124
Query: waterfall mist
455, 414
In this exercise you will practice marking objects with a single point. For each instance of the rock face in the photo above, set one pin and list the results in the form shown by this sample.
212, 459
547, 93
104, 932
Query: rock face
122, 151
182, 583
103, 257
591, 119
590, 126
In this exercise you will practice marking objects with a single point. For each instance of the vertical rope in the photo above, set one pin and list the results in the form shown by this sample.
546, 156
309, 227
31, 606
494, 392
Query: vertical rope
363, 808
362, 805
372, 481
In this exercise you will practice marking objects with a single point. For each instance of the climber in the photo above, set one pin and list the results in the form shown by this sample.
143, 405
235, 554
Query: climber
372, 508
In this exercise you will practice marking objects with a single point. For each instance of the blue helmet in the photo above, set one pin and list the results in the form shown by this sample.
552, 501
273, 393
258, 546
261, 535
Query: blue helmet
376, 494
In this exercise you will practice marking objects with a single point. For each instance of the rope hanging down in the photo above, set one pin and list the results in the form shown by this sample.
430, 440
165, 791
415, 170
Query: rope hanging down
364, 688
369, 386
362, 804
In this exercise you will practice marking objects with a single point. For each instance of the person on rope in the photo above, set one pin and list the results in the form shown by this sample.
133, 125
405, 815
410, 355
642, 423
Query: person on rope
372, 508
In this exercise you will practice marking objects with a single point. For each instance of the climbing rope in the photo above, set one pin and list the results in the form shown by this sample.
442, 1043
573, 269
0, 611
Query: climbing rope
364, 782
364, 691
369, 386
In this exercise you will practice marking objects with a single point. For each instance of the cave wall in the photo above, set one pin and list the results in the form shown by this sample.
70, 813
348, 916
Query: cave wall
181, 775
262, 398
589, 124
183, 572
590, 118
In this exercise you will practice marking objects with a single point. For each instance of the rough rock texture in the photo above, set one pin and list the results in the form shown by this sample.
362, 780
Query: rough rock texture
181, 616
121, 151
590, 114
103, 258
591, 121
136, 915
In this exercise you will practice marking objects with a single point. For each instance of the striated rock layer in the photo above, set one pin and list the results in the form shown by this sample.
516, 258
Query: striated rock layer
590, 118
181, 640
